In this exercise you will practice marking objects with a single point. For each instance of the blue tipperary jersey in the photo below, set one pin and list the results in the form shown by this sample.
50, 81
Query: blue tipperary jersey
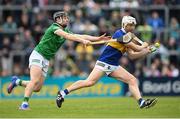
113, 50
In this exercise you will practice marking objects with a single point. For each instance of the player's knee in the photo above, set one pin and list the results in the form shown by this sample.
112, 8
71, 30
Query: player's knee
133, 81
37, 88
90, 83
35, 81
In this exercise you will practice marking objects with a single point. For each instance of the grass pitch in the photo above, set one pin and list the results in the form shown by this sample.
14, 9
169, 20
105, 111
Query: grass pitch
120, 107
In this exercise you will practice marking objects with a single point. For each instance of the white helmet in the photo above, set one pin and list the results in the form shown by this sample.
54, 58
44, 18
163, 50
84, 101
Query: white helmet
128, 20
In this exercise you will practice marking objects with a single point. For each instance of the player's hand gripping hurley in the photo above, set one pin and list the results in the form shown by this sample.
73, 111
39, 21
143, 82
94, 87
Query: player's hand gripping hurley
128, 38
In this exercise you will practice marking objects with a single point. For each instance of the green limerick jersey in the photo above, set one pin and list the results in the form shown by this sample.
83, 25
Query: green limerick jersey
50, 42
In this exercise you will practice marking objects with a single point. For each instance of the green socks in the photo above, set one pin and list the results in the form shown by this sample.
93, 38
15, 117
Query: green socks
20, 82
26, 99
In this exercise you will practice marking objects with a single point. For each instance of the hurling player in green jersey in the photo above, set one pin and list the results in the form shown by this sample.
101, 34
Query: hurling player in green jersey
52, 40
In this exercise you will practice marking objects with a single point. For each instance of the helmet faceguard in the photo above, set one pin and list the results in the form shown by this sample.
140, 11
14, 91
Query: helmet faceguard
59, 14
63, 16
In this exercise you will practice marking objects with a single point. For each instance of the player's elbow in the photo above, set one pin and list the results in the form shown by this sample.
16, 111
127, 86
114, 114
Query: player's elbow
138, 48
133, 46
132, 56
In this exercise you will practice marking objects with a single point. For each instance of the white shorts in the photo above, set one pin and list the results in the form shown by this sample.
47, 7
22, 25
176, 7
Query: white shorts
38, 60
107, 68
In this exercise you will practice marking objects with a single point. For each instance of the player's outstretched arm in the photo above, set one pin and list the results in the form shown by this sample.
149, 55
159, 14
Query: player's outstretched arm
135, 47
94, 38
135, 55
71, 37
137, 41
128, 41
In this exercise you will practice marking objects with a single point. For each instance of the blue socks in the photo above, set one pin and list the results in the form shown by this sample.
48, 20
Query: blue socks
66, 91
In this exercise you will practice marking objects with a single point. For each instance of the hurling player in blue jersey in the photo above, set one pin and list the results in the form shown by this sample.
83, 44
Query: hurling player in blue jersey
108, 63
